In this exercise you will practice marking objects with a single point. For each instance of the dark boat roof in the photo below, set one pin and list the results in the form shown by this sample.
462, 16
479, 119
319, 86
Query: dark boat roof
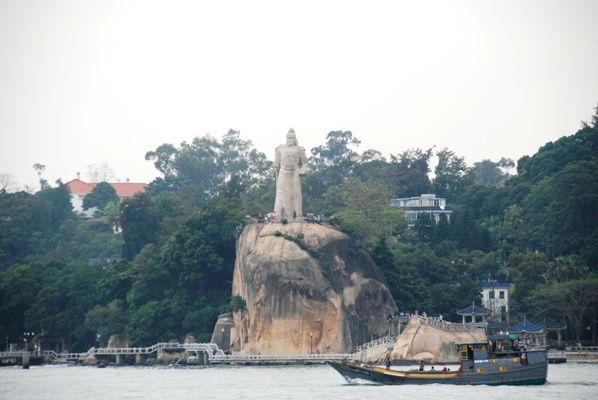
460, 343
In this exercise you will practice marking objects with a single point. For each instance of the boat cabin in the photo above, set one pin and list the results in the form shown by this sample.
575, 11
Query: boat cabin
471, 353
500, 349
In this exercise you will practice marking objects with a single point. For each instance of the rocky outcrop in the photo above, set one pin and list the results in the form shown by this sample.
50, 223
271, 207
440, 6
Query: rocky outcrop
373, 354
117, 341
114, 341
307, 287
421, 340
171, 357
189, 339
90, 358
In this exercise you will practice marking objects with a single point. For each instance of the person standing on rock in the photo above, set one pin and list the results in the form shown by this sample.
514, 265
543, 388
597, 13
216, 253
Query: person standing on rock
290, 163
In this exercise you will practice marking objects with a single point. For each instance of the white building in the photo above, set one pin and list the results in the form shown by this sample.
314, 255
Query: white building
495, 297
425, 205
79, 189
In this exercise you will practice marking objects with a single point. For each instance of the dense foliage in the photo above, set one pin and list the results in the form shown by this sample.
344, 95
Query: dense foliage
102, 194
160, 266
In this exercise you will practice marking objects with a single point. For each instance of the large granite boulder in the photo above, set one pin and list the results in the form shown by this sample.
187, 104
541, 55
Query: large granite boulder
307, 287
117, 341
90, 358
433, 340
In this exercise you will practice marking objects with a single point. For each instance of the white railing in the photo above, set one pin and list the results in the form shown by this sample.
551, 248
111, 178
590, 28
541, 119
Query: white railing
451, 326
385, 340
213, 351
210, 348
590, 349
207, 347
278, 357
47, 353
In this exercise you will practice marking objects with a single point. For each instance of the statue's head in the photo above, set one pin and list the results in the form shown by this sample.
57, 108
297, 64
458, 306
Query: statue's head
292, 138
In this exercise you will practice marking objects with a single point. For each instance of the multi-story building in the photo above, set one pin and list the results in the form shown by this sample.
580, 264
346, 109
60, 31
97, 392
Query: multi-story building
80, 189
425, 205
495, 297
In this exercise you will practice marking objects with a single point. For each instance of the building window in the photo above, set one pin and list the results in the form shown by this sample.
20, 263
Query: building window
491, 294
501, 294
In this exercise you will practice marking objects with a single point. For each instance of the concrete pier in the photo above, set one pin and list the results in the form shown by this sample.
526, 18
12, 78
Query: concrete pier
139, 358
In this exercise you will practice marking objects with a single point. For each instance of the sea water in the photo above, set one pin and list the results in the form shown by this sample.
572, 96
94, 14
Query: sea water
565, 381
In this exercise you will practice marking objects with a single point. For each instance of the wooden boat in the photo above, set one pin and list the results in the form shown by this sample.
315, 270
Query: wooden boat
476, 367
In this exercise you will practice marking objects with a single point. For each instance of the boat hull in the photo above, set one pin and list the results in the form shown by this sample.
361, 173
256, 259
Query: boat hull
528, 375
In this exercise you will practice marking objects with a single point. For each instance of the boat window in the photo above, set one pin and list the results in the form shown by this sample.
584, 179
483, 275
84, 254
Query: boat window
466, 352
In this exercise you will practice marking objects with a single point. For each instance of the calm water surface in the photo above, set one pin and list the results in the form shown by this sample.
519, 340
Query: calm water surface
566, 381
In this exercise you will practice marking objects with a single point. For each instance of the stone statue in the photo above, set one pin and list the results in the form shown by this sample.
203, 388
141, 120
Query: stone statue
290, 163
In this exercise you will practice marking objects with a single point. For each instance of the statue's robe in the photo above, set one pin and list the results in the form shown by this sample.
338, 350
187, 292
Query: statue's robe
290, 163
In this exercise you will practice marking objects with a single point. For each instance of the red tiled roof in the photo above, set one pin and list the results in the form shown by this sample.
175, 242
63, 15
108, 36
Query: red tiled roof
123, 189
78, 187
129, 189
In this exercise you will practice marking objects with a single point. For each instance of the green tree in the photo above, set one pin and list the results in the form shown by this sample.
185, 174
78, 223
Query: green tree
373, 167
89, 239
527, 271
554, 156
19, 287
409, 173
492, 173
451, 174
200, 255
39, 170
209, 164
330, 164
574, 301
17, 226
364, 210
565, 268
60, 305
102, 194
139, 223
106, 320
53, 206
337, 152
149, 278
420, 280
562, 212
28, 223
509, 233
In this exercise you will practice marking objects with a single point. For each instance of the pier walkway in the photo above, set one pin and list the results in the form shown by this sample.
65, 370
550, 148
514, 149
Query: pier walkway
212, 353
210, 349
270, 359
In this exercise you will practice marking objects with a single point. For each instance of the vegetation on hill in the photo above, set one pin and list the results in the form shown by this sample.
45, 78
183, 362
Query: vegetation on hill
161, 266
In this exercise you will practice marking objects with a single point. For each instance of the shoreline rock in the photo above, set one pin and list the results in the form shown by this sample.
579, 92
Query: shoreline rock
307, 288
420, 341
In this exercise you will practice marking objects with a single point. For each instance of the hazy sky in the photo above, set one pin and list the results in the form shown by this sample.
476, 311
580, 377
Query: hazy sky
86, 82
